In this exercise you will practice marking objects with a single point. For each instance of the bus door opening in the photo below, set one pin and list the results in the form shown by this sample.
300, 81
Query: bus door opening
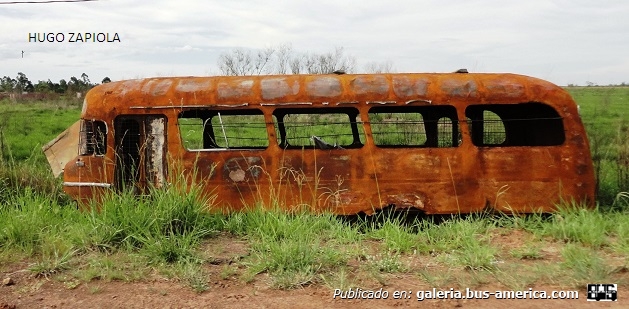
140, 152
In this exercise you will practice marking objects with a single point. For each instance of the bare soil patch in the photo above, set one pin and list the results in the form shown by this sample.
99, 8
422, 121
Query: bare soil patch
227, 289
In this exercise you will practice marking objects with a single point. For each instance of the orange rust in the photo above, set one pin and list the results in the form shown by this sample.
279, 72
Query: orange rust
461, 179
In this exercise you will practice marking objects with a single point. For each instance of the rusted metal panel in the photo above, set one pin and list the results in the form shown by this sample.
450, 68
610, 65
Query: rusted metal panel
87, 178
370, 86
233, 90
324, 87
461, 177
411, 88
280, 87
63, 148
459, 88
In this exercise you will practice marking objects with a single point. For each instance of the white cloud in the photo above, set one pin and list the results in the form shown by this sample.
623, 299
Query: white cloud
563, 41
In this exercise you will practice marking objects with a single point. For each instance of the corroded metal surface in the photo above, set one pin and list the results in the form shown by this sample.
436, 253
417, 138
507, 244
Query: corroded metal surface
63, 148
461, 179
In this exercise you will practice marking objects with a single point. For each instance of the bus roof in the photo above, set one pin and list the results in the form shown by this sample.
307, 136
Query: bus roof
331, 90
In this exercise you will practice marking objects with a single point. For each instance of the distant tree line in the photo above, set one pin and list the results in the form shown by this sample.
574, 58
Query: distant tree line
21, 84
593, 84
283, 59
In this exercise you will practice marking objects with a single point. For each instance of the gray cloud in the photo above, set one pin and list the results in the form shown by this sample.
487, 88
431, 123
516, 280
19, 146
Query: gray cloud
563, 41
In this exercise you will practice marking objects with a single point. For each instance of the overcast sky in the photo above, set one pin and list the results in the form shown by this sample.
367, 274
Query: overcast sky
565, 42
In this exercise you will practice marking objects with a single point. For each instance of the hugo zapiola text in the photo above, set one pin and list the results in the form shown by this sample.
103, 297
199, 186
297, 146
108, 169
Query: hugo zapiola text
73, 37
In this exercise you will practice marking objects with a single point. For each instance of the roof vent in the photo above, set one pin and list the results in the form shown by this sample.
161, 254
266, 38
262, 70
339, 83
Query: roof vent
461, 71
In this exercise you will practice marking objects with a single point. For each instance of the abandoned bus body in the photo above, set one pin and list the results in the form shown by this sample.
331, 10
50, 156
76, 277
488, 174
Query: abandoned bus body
439, 143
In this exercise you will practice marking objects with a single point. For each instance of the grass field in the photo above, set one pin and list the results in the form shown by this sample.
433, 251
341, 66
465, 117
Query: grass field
170, 233
605, 114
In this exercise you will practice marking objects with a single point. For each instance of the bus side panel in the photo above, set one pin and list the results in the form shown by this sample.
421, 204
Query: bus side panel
529, 179
324, 180
433, 180
237, 179
88, 178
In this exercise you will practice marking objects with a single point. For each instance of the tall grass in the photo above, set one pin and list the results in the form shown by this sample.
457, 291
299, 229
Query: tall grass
294, 248
604, 112
574, 223
165, 229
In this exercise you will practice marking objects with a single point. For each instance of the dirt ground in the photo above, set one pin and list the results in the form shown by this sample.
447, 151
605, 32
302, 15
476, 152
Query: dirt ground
157, 291
30, 292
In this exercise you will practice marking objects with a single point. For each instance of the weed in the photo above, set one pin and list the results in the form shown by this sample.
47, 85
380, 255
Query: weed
169, 248
396, 236
388, 262
621, 201
116, 266
71, 284
511, 277
477, 256
194, 275
531, 251
574, 223
52, 264
293, 279
437, 278
95, 289
586, 264
453, 234
228, 271
339, 279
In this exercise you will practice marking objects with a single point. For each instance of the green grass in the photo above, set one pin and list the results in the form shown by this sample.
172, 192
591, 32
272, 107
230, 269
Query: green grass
26, 127
601, 103
605, 114
586, 264
131, 235
132, 238
576, 224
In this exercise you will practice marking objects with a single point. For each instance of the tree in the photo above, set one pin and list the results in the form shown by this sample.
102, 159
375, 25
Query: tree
74, 85
43, 87
243, 62
281, 59
23, 84
379, 67
54, 87
63, 86
106, 80
85, 82
7, 84
329, 62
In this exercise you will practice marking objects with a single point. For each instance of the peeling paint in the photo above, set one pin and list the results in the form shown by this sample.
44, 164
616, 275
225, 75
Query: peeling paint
194, 85
275, 88
407, 200
406, 87
503, 89
237, 175
156, 142
240, 169
234, 90
460, 88
374, 85
157, 87
323, 86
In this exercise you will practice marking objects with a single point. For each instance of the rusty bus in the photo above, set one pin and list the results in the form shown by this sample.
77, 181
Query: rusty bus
440, 143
